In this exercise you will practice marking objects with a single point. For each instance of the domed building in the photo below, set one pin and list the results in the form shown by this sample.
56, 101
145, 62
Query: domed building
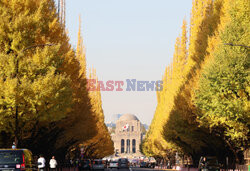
128, 136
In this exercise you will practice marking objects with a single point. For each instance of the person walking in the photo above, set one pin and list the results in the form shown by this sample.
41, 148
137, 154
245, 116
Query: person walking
14, 145
41, 163
53, 163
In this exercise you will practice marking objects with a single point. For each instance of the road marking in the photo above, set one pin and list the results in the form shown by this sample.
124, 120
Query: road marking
130, 169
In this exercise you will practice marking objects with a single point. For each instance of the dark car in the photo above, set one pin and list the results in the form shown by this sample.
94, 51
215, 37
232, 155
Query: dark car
151, 165
16, 159
85, 165
209, 163
143, 165
123, 163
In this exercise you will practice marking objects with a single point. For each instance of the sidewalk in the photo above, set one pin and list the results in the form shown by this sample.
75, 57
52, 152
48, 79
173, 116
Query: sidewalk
162, 168
176, 168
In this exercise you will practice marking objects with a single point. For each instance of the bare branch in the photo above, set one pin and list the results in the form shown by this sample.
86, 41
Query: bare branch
231, 44
39, 45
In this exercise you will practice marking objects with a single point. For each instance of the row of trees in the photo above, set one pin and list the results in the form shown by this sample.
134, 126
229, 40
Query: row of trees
204, 106
44, 102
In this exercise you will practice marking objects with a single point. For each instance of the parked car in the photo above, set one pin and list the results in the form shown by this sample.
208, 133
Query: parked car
123, 163
209, 163
113, 164
98, 165
133, 163
16, 159
85, 165
151, 165
143, 165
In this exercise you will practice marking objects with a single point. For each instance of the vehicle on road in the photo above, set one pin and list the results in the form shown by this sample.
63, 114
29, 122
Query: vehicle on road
208, 163
98, 165
143, 164
84, 165
133, 163
113, 164
123, 163
151, 165
151, 162
16, 159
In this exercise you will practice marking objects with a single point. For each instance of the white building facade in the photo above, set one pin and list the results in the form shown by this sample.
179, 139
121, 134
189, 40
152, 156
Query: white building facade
128, 136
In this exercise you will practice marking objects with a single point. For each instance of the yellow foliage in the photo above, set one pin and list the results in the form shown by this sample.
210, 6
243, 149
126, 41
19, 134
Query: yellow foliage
175, 113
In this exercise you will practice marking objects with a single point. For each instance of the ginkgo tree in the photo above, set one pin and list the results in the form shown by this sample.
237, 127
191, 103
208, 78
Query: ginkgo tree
89, 131
176, 118
203, 108
155, 144
100, 145
33, 88
44, 101
223, 92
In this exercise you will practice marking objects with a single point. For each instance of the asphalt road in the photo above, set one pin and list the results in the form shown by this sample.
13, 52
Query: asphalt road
134, 169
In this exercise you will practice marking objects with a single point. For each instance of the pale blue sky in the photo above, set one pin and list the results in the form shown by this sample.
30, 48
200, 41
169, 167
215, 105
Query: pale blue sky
128, 39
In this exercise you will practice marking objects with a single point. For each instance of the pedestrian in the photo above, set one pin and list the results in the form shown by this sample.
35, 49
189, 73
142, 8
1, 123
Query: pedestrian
41, 163
71, 163
204, 163
52, 163
168, 166
14, 145
77, 162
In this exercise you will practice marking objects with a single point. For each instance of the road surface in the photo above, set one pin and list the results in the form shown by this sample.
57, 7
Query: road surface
135, 169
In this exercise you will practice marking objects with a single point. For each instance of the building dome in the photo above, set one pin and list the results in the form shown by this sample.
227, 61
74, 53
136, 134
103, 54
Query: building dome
128, 117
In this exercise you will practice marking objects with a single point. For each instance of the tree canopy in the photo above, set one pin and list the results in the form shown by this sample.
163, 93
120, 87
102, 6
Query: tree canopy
203, 108
44, 102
